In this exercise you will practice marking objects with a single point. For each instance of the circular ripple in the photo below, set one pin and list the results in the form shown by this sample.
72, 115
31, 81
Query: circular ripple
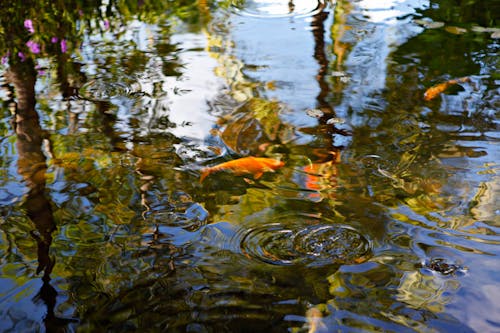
277, 8
327, 243
100, 89
270, 243
316, 245
189, 216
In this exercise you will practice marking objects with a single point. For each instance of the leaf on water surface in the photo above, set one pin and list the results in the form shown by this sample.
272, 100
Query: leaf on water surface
477, 28
429, 24
335, 120
455, 30
314, 113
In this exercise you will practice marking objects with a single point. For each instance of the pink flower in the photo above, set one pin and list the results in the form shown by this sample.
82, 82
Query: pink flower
5, 58
21, 56
28, 24
64, 46
54, 40
34, 47
40, 70
106, 24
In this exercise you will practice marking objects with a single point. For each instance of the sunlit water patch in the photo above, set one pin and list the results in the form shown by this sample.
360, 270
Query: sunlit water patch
276, 8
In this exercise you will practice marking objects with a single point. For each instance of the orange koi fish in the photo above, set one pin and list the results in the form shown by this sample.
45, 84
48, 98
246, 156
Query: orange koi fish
434, 91
320, 176
255, 166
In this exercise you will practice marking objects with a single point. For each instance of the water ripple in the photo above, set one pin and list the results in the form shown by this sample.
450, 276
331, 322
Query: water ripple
182, 212
104, 89
312, 245
277, 8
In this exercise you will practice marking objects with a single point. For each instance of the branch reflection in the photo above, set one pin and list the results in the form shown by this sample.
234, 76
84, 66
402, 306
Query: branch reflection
32, 167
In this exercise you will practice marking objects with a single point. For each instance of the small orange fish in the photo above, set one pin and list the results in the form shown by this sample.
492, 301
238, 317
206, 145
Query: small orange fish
319, 177
246, 165
434, 91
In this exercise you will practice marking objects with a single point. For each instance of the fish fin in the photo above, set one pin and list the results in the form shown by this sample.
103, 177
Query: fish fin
204, 173
248, 181
257, 175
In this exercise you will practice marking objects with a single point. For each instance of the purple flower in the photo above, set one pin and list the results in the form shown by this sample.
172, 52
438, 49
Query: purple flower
106, 24
28, 24
34, 47
54, 40
64, 46
40, 70
5, 58
21, 56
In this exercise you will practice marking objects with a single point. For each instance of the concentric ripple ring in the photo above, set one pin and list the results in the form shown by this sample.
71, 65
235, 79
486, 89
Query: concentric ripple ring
277, 8
311, 245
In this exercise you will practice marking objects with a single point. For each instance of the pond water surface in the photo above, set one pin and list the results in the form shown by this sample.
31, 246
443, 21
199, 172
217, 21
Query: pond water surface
383, 217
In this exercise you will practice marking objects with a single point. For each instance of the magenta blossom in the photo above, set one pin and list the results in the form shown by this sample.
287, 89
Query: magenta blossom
21, 56
34, 47
54, 40
28, 24
106, 24
5, 58
40, 70
64, 46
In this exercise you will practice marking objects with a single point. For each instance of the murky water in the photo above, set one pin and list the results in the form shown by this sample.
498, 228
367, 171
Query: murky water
384, 216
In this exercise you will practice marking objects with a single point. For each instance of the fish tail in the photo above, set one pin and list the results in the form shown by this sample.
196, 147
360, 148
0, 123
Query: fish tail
204, 173
460, 79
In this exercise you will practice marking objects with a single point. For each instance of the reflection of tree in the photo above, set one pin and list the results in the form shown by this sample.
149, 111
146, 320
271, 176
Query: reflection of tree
338, 30
423, 139
32, 167
85, 158
483, 13
409, 144
31, 162
318, 30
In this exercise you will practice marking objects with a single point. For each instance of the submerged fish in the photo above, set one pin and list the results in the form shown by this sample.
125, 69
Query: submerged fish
255, 166
315, 321
434, 91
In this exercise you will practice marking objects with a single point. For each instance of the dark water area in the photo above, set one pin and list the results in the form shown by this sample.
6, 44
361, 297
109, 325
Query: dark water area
373, 207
